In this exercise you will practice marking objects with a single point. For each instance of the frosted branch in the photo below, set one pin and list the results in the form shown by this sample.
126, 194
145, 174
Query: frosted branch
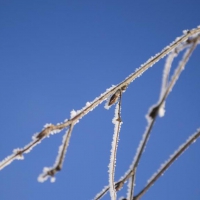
50, 172
36, 139
111, 92
151, 116
168, 163
117, 125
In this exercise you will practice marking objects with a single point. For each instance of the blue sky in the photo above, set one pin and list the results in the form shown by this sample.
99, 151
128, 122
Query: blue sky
56, 56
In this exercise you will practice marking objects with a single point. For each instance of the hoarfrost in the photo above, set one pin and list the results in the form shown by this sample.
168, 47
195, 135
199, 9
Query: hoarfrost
88, 104
61, 148
42, 177
185, 31
6, 161
175, 155
103, 191
55, 131
73, 113
47, 125
34, 137
107, 107
53, 179
111, 167
162, 110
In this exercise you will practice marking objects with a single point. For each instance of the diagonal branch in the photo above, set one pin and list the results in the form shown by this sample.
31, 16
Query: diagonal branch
168, 163
90, 106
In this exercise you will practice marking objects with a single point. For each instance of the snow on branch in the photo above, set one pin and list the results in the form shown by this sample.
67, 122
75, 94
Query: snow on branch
168, 163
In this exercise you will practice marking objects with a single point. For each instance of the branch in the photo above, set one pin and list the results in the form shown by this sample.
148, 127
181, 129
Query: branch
151, 117
167, 164
90, 106
117, 123
50, 172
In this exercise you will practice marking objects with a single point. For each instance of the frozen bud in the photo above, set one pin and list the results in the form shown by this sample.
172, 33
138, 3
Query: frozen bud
123, 88
114, 97
154, 111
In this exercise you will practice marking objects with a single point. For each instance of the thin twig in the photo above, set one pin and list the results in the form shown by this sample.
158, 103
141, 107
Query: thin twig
131, 187
117, 123
164, 167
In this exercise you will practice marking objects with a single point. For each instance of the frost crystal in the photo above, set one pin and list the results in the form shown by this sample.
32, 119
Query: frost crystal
53, 179
47, 125
73, 114
88, 104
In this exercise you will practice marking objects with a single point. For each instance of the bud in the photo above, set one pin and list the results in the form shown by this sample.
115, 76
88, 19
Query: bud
114, 97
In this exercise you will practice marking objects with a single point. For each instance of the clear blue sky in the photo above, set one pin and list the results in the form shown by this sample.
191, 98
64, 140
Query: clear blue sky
56, 56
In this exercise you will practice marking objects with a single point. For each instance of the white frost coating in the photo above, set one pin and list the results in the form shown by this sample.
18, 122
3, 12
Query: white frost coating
26, 149
101, 192
53, 179
47, 125
52, 132
73, 113
185, 31
166, 72
181, 63
88, 104
55, 132
106, 106
128, 194
46, 169
111, 166
19, 156
163, 165
165, 79
137, 153
31, 145
34, 137
6, 161
129, 188
162, 110
42, 177
61, 148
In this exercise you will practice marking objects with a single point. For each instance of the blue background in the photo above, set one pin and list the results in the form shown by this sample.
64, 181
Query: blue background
56, 56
